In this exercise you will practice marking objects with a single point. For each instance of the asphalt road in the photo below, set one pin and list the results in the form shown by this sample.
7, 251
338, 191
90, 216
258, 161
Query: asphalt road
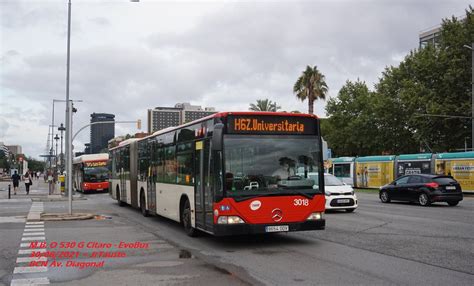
397, 243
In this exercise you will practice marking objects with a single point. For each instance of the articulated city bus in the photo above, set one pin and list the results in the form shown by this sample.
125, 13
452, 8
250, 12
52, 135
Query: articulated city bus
228, 173
90, 172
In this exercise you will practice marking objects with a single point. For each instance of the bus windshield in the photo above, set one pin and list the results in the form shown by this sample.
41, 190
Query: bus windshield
96, 174
271, 165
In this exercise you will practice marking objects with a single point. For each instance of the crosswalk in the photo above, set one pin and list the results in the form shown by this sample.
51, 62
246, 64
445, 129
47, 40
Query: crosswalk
24, 273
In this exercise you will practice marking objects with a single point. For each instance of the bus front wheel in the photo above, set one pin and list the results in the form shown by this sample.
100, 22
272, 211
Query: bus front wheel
186, 219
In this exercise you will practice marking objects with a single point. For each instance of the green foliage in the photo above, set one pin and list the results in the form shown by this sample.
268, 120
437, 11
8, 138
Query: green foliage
395, 118
311, 86
35, 165
264, 105
4, 164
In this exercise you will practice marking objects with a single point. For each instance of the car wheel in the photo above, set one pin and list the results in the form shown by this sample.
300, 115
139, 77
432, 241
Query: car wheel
186, 218
424, 200
350, 210
384, 197
453, 203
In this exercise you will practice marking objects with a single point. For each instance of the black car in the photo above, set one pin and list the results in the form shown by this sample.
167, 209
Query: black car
422, 188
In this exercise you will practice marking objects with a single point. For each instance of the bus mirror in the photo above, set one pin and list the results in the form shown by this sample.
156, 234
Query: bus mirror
217, 137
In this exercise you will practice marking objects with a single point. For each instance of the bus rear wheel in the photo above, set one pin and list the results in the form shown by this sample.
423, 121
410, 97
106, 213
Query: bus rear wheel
186, 219
143, 205
120, 203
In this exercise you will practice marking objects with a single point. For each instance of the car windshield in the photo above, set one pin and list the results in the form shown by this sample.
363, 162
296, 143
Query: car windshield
271, 165
96, 174
330, 180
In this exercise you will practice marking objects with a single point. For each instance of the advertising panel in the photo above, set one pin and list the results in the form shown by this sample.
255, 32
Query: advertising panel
374, 174
461, 170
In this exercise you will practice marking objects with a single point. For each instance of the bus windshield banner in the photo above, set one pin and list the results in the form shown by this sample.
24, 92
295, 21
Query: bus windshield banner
95, 164
254, 124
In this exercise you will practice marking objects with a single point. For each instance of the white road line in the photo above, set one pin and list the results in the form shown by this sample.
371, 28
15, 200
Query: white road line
33, 233
34, 226
33, 238
34, 229
34, 222
29, 251
29, 259
34, 269
25, 244
30, 281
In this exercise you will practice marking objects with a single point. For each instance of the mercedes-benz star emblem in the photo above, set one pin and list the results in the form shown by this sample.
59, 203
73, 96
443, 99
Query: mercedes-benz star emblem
277, 215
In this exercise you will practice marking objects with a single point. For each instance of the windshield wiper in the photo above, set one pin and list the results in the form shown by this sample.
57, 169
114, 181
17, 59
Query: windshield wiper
301, 193
241, 198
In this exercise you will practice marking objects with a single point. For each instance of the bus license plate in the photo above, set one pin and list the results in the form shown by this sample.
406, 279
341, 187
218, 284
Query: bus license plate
343, 201
450, 188
277, 228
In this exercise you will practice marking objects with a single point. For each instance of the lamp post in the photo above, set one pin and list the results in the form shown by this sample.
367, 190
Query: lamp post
56, 138
61, 129
472, 92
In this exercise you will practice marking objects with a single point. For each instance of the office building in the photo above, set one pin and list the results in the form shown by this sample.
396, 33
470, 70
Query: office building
101, 133
163, 117
429, 36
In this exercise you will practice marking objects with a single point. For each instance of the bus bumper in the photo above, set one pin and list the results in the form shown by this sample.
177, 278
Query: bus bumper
242, 229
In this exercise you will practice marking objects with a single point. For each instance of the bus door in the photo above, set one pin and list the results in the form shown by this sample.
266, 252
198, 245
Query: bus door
203, 190
152, 176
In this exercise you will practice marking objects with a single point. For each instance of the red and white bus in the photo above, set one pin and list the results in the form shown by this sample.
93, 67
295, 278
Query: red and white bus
228, 173
90, 172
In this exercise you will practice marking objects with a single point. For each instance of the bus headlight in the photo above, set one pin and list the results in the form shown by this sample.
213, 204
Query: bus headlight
229, 220
315, 216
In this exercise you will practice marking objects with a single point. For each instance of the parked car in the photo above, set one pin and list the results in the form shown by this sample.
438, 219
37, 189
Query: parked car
338, 194
423, 188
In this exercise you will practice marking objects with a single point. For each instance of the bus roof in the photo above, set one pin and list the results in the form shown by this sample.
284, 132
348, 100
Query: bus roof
409, 157
216, 115
457, 155
342, 160
91, 157
375, 158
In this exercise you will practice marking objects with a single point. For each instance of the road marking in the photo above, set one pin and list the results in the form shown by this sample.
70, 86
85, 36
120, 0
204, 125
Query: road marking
30, 281
11, 219
27, 269
33, 238
32, 233
29, 251
34, 226
25, 244
34, 229
34, 222
29, 259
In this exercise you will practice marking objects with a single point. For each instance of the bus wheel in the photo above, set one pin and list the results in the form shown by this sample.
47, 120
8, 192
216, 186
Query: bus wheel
143, 204
120, 203
186, 219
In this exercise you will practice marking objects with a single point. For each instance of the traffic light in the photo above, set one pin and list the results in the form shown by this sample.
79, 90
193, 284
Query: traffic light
139, 124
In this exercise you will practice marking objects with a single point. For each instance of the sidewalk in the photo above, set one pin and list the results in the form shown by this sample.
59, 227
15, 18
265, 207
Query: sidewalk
37, 190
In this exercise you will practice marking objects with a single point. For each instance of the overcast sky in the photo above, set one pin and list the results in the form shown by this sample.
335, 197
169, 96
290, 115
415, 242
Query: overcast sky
128, 57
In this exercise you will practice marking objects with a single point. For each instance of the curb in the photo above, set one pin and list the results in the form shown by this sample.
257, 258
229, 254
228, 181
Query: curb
63, 216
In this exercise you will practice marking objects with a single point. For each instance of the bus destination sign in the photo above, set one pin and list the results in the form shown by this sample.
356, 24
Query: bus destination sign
249, 124
95, 164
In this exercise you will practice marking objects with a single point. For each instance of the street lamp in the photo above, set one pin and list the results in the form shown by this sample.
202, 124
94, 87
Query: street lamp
56, 157
472, 92
61, 129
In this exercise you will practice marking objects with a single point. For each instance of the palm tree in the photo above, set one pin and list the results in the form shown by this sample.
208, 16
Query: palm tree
311, 85
264, 105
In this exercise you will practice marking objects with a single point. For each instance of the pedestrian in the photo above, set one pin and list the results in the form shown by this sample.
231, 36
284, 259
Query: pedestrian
28, 182
38, 175
16, 181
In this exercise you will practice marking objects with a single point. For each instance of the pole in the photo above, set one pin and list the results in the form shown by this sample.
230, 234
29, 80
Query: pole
9, 190
68, 114
61, 161
472, 95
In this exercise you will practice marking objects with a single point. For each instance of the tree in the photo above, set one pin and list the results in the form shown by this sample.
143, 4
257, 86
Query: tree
264, 105
311, 86
35, 165
350, 128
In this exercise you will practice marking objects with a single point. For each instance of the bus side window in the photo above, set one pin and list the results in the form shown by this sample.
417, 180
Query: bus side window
217, 178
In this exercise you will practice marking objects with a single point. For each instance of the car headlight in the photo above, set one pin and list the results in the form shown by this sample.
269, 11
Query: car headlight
229, 220
315, 216
327, 193
352, 193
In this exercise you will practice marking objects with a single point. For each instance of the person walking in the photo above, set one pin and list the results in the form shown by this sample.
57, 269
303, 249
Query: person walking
16, 181
28, 182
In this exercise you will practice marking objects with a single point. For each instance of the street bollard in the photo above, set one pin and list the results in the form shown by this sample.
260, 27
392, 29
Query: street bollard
9, 187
